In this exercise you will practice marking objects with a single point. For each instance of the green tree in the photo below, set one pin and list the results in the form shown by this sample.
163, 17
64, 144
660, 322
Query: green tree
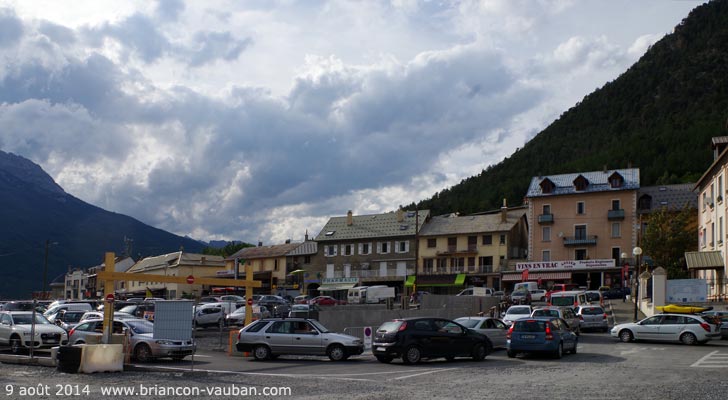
668, 236
229, 249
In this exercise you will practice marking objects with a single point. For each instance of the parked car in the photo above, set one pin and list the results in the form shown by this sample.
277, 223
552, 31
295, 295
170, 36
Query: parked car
325, 301
270, 338
209, 299
521, 296
100, 315
52, 312
538, 295
141, 310
594, 297
616, 293
494, 328
414, 339
67, 319
144, 347
305, 311
15, 331
209, 314
22, 306
515, 312
723, 316
237, 317
277, 305
592, 317
232, 298
541, 334
302, 299
501, 295
565, 313
685, 328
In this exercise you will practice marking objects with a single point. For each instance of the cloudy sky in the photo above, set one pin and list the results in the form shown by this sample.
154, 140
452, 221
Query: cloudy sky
260, 119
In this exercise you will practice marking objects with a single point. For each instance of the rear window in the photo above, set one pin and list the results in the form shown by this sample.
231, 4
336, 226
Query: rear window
592, 311
529, 326
593, 296
468, 322
391, 326
566, 301
256, 326
545, 313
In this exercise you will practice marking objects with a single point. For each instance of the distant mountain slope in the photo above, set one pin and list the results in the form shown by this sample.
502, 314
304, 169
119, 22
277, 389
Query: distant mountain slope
33, 209
659, 116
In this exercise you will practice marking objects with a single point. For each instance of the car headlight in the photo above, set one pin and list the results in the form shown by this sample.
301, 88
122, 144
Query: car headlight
164, 342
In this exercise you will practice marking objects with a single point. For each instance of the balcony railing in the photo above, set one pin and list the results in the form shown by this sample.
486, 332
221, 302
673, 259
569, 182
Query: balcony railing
615, 215
580, 240
473, 269
546, 219
372, 273
452, 250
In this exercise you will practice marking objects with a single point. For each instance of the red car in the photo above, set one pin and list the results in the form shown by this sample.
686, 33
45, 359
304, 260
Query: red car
326, 301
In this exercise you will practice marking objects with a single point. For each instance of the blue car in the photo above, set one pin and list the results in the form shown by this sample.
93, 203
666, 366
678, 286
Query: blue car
549, 335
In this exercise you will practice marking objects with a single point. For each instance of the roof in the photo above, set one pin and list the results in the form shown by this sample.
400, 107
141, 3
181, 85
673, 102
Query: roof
452, 224
176, 259
673, 197
598, 182
372, 226
306, 248
704, 259
276, 250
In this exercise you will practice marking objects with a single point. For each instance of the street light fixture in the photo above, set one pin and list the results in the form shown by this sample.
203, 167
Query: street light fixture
637, 252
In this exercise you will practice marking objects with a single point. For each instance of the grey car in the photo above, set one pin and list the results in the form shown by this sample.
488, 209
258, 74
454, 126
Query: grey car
494, 328
592, 317
142, 344
270, 338
565, 313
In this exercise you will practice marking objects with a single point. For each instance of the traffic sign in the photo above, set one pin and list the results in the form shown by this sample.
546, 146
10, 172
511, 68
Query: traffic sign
250, 301
190, 279
368, 337
109, 298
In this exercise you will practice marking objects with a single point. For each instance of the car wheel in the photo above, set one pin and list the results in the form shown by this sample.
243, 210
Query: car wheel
559, 351
15, 345
261, 352
511, 354
142, 352
576, 344
626, 336
80, 342
412, 355
337, 352
384, 359
688, 338
479, 352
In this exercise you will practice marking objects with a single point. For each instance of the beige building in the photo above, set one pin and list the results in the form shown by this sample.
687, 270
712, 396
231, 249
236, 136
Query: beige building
580, 224
471, 250
271, 265
178, 264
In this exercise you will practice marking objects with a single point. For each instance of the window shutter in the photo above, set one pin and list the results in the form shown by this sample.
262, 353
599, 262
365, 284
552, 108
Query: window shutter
406, 246
360, 248
379, 247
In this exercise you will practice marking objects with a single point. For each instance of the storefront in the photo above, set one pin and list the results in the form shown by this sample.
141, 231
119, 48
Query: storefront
437, 284
590, 274
337, 288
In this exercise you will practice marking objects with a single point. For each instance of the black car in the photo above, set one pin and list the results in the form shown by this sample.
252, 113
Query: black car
414, 339
277, 305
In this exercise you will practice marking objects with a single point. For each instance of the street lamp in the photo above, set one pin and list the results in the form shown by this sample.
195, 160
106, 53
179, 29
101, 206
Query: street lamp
637, 252
623, 275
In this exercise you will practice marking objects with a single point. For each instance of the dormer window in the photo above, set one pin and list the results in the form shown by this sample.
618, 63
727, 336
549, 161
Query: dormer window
616, 180
547, 186
645, 202
581, 183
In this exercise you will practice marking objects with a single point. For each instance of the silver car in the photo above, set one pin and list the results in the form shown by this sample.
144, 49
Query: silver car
685, 328
515, 312
494, 328
270, 338
565, 313
592, 317
16, 328
142, 344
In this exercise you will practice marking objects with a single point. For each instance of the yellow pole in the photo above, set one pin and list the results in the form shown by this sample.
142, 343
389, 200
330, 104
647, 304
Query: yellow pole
109, 262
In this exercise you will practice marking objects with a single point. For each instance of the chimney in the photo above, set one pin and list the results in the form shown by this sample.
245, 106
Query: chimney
605, 168
400, 215
260, 244
504, 212
349, 218
288, 241
203, 259
305, 238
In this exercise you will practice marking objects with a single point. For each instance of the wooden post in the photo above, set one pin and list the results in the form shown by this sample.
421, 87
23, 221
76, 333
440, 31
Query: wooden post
109, 265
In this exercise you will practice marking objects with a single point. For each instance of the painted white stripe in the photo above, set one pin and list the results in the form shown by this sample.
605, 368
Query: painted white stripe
706, 360
339, 376
424, 373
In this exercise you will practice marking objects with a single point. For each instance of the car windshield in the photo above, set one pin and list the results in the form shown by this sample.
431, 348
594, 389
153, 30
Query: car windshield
300, 307
27, 319
562, 301
319, 326
593, 296
141, 326
519, 310
468, 322
545, 313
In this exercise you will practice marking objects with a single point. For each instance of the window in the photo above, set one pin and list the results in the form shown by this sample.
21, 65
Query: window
429, 264
712, 233
402, 247
275, 265
502, 239
616, 230
487, 239
580, 254
330, 250
703, 233
365, 248
720, 188
547, 209
431, 243
546, 230
720, 230
347, 249
441, 265
546, 255
307, 259
580, 208
472, 243
616, 205
486, 262
383, 247
580, 232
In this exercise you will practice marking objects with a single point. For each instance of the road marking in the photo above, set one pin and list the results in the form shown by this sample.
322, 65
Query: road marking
714, 359
424, 373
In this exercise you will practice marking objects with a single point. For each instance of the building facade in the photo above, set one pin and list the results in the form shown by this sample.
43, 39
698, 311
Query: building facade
272, 265
580, 224
178, 264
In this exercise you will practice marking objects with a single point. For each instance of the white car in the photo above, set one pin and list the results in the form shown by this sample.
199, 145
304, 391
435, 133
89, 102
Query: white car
538, 295
685, 328
15, 331
209, 314
494, 328
516, 312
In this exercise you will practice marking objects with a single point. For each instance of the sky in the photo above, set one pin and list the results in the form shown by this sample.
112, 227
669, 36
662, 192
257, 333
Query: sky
259, 120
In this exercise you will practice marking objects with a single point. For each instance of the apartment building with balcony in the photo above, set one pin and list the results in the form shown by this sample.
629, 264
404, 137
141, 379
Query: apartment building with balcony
374, 249
710, 261
458, 251
580, 224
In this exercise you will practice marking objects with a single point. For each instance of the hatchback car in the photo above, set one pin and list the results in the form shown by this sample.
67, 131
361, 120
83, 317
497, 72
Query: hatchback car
414, 339
494, 328
144, 347
237, 317
67, 319
685, 328
592, 317
270, 338
542, 335
723, 316
15, 331
515, 312
325, 301
277, 305
521, 296
565, 313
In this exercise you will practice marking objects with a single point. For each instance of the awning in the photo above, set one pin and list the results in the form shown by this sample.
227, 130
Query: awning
704, 259
338, 286
298, 271
410, 281
534, 276
440, 280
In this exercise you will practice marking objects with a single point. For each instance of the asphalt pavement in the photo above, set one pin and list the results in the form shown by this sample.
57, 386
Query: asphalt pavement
622, 311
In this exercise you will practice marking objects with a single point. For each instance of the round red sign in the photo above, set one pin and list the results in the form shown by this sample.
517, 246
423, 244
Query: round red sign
190, 279
110, 298
250, 301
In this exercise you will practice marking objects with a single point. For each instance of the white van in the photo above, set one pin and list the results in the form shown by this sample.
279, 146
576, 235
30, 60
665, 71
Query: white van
571, 298
357, 295
526, 285
51, 313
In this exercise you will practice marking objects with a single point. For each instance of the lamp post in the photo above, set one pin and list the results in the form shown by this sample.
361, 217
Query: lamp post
637, 252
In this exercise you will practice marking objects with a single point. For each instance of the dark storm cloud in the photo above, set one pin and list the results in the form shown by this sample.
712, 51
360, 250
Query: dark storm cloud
11, 28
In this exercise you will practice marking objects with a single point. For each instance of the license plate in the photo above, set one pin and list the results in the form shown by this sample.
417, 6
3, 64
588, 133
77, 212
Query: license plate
381, 349
528, 336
